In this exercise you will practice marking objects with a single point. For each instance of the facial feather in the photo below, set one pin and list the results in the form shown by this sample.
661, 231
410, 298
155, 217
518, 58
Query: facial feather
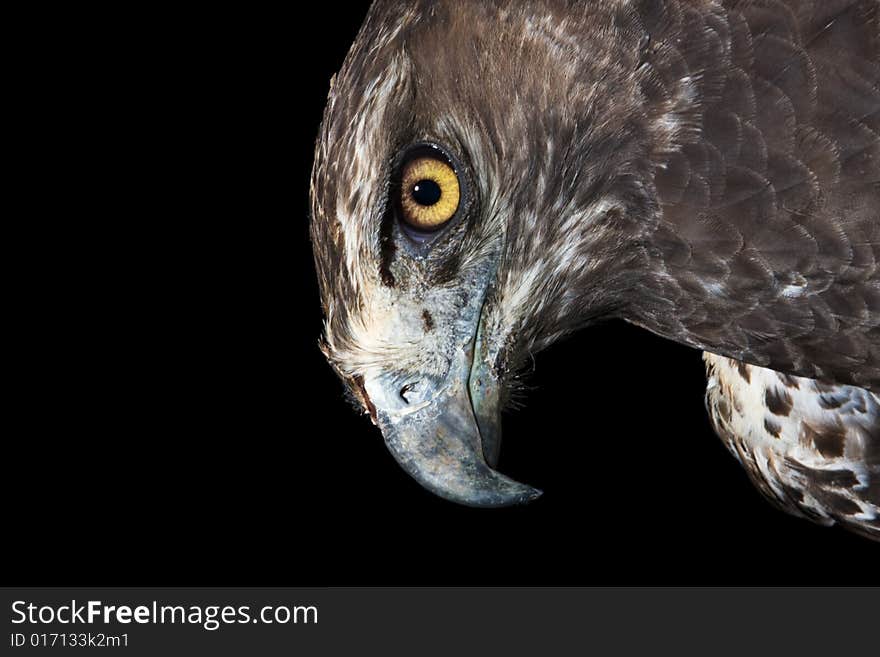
556, 200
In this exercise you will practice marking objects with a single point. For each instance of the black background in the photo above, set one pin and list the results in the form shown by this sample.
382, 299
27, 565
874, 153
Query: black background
175, 424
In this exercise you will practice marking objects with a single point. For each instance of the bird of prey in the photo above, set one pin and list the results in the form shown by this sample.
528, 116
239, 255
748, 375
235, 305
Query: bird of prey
491, 176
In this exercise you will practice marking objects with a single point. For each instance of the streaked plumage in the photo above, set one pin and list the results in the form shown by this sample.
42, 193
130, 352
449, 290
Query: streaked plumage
811, 448
707, 170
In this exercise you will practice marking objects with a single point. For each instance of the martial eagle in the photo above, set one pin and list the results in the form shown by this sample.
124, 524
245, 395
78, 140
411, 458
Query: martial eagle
491, 176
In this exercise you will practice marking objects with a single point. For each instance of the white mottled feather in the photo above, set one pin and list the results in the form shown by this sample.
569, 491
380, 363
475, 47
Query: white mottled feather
811, 448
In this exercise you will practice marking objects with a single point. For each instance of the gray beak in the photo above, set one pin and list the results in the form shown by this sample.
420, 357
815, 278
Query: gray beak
446, 432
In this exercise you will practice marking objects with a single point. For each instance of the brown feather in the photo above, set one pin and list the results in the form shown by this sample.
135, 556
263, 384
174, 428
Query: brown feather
773, 251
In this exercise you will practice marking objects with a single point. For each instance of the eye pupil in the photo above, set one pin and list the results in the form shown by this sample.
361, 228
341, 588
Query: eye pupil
426, 192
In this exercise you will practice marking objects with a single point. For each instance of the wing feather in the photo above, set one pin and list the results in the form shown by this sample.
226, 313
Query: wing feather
769, 245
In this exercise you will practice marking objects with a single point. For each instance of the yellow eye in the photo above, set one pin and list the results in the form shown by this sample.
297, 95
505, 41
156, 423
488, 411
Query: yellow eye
429, 193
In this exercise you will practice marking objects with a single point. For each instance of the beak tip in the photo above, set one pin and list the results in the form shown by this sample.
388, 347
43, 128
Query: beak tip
530, 495
514, 495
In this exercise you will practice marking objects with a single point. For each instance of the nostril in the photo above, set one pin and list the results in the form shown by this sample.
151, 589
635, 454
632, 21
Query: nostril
406, 390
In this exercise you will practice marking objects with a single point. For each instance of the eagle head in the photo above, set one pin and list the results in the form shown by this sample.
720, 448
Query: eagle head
480, 189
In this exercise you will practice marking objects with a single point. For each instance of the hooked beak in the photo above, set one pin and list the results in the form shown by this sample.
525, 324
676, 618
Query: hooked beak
446, 433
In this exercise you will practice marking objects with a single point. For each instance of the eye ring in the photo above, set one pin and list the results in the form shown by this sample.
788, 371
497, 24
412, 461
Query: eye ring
430, 191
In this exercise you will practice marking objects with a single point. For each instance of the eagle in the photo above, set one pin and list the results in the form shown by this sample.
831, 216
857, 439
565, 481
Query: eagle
492, 176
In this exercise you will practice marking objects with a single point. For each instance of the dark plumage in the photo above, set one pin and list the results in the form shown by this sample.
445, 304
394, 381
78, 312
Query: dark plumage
707, 170
769, 228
